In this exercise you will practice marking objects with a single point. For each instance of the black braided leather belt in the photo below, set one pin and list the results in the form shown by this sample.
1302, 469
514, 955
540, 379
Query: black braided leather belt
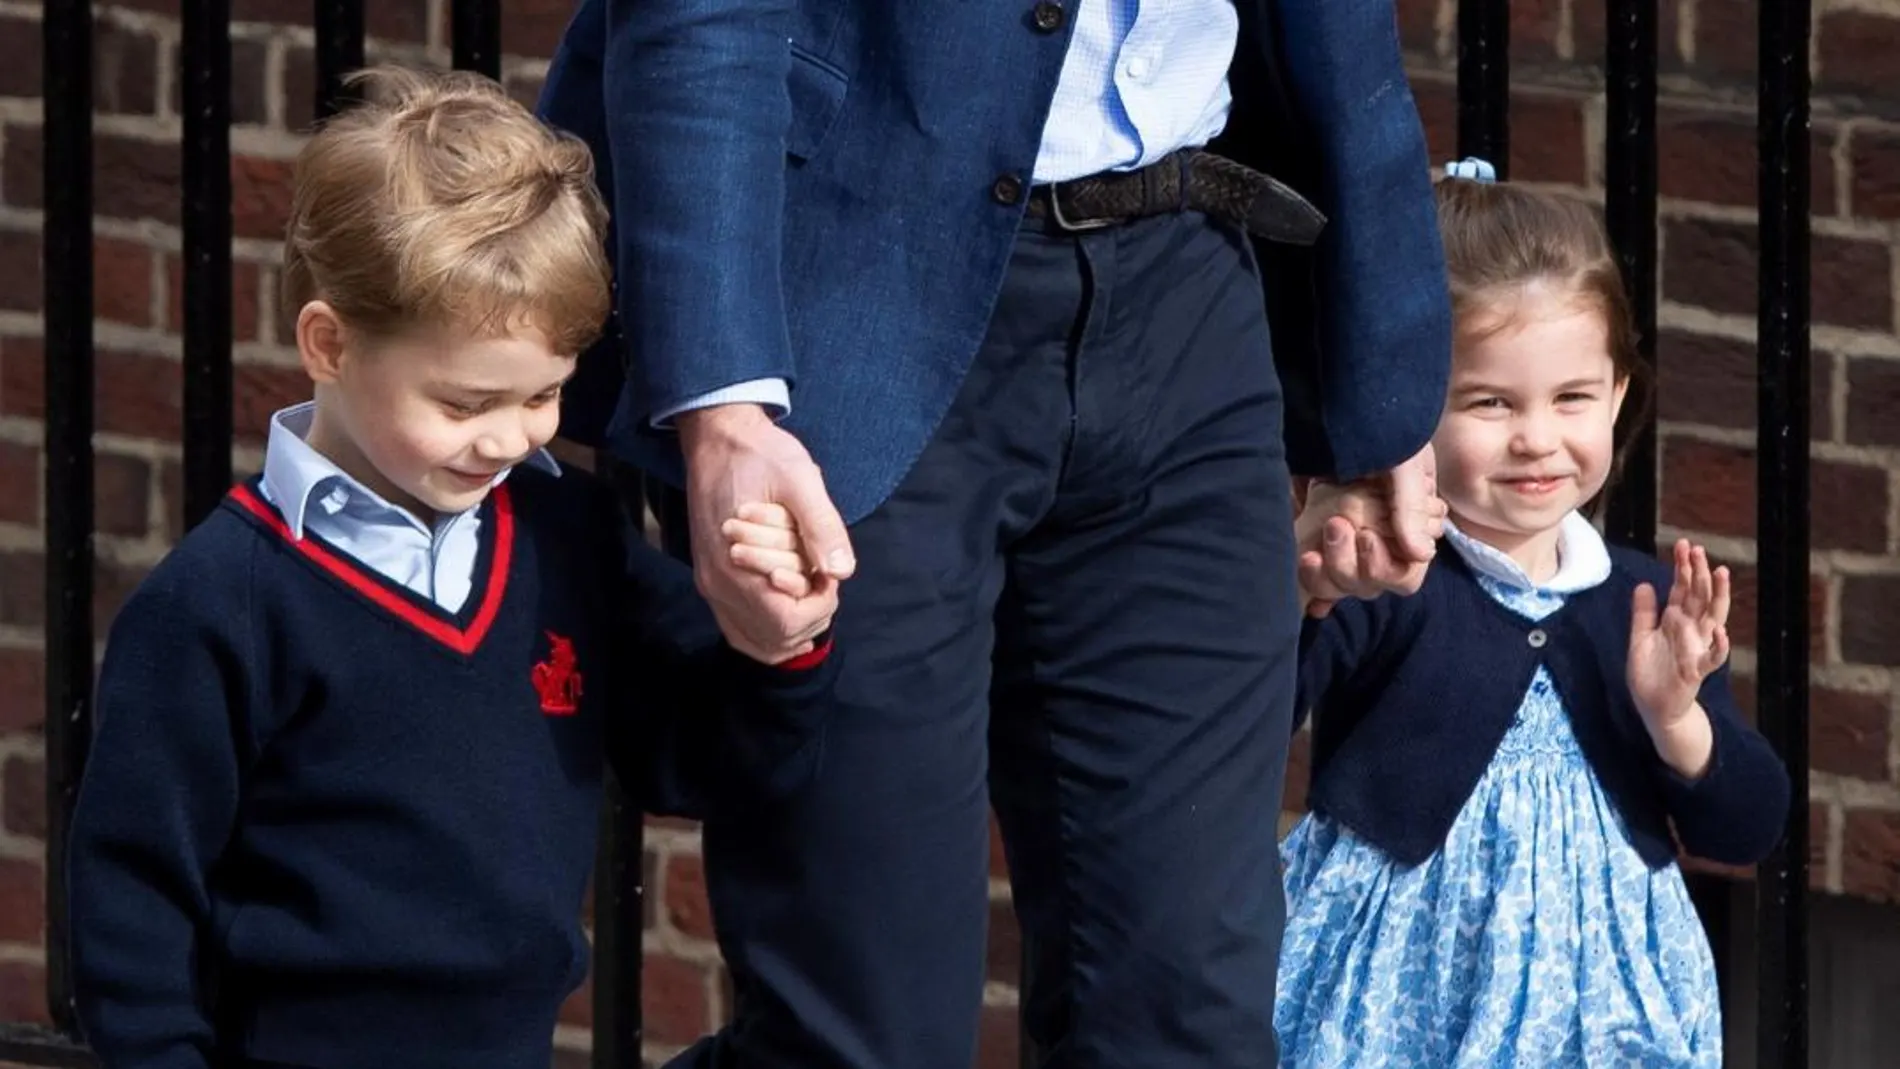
1191, 180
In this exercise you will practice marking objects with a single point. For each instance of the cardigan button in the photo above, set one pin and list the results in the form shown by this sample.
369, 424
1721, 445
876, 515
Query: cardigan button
1537, 638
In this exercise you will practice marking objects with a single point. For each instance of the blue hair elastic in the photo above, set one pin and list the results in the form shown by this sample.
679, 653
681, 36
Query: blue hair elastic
1473, 168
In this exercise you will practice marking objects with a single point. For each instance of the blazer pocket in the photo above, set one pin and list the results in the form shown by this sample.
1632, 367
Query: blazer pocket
817, 93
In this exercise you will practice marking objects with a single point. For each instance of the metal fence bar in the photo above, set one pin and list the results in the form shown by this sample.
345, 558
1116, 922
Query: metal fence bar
67, 244
1782, 519
1484, 81
475, 36
339, 26
205, 69
1630, 214
619, 894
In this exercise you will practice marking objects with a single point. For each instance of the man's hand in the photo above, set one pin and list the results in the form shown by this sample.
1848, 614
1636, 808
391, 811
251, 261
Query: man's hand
736, 455
1374, 536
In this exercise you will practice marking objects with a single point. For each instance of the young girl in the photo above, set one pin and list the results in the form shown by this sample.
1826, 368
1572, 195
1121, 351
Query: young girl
1487, 876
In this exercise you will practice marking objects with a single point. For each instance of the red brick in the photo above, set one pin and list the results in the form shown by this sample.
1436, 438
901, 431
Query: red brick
1857, 50
1817, 846
246, 290
250, 79
22, 390
1535, 28
20, 47
1870, 855
22, 901
278, 12
121, 494
1875, 183
1005, 945
1711, 157
171, 490
20, 166
21, 288
686, 905
1848, 732
22, 689
1726, 40
673, 999
300, 87
125, 70
111, 585
1438, 113
23, 993
999, 1039
260, 389
578, 1010
999, 858
1852, 283
1870, 619
1744, 614
1556, 153
25, 797
260, 197
136, 179
1712, 380
19, 483
1712, 489
534, 27
138, 394
122, 281
1873, 400
1716, 266
22, 588
1418, 26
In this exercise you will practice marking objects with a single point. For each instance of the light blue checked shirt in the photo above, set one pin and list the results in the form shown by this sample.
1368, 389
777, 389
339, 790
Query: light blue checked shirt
1141, 79
435, 560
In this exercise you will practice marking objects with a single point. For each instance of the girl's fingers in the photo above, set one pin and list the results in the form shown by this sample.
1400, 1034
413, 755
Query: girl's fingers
764, 536
791, 583
1719, 603
762, 561
766, 514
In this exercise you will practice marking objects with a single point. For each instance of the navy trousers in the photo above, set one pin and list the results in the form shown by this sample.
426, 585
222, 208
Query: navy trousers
1079, 607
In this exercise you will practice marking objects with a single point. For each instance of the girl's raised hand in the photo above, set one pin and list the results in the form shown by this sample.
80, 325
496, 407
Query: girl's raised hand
1673, 651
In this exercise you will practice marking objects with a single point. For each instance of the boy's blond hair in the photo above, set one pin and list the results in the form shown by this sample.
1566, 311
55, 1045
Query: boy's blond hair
440, 203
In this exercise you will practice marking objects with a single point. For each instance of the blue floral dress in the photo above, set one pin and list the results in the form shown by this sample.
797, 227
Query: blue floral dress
1535, 936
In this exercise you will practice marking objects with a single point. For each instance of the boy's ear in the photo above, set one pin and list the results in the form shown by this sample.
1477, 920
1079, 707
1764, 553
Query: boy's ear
321, 341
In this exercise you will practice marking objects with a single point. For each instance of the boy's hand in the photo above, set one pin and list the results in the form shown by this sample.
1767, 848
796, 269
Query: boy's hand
763, 539
1672, 653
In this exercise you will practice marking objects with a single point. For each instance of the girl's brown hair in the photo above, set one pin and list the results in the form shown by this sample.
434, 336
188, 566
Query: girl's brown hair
1501, 239
439, 202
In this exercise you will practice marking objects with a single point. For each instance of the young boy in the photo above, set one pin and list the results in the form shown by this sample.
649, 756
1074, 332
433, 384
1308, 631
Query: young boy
341, 804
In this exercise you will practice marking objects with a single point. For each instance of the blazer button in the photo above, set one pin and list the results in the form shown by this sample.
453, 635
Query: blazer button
1008, 190
1537, 638
1048, 16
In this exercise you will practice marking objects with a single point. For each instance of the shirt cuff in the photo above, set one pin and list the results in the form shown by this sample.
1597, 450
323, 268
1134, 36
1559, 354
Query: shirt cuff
773, 394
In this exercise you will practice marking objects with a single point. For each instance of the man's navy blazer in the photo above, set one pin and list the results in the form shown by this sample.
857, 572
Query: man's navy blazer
808, 189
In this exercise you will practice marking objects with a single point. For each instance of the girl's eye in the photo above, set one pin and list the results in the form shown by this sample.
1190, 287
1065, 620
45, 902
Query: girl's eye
541, 400
463, 409
1493, 403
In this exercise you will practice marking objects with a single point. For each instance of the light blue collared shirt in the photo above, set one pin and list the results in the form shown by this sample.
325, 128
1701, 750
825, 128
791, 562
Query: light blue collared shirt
313, 494
1141, 79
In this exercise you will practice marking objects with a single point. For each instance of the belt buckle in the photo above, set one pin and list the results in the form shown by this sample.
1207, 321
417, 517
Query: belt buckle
1063, 222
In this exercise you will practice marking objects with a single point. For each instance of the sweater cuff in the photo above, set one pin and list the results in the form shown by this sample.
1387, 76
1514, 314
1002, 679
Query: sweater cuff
1712, 782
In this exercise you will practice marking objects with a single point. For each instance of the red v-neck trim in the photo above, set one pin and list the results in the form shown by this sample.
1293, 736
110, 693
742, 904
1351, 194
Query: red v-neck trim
461, 640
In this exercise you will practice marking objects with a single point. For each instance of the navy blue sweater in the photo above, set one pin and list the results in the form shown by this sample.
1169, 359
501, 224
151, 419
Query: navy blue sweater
1411, 696
327, 823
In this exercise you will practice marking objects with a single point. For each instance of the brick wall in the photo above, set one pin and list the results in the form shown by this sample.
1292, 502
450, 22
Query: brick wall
1707, 402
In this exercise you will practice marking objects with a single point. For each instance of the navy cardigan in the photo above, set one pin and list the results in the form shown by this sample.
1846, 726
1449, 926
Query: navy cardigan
1411, 696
